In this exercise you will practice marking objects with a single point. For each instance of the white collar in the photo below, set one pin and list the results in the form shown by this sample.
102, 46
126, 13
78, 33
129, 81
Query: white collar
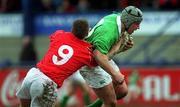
118, 20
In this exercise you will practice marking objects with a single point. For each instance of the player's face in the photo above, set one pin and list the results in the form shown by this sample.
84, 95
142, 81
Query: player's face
133, 27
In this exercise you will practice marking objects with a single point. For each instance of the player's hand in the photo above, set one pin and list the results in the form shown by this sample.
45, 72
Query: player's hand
118, 78
129, 44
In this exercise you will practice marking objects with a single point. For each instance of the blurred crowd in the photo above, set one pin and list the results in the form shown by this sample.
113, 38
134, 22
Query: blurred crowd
72, 6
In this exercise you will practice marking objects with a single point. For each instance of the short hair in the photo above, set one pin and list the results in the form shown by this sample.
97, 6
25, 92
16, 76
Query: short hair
80, 28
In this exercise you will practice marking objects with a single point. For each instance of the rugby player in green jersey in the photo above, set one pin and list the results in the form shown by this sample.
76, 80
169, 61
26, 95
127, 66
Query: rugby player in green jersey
112, 34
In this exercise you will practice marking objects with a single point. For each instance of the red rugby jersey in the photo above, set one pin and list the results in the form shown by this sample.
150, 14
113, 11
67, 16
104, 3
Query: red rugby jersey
66, 54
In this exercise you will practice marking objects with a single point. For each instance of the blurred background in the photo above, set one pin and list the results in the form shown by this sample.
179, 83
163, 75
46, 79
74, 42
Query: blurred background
152, 66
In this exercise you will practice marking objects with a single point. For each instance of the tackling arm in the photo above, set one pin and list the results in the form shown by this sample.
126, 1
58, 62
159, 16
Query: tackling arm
103, 61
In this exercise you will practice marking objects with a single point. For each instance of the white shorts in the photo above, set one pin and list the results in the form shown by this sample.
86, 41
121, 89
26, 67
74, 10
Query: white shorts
97, 77
34, 86
76, 77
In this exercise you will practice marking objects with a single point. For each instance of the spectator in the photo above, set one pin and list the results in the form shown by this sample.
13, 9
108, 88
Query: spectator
66, 6
48, 6
3, 5
83, 5
105, 5
10, 6
28, 55
168, 4
125, 3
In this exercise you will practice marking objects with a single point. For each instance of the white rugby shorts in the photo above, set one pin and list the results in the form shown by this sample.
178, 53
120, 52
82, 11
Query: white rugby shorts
33, 87
97, 77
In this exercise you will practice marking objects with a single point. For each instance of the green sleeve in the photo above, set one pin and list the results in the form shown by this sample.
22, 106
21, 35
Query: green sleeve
101, 46
104, 40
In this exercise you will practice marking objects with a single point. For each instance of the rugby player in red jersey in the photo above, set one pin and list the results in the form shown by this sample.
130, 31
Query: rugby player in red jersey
66, 54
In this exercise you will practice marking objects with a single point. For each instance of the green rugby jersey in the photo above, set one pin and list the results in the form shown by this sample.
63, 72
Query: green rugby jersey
105, 33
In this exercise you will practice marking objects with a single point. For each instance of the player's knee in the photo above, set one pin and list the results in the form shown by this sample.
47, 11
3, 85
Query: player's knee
110, 101
121, 91
122, 94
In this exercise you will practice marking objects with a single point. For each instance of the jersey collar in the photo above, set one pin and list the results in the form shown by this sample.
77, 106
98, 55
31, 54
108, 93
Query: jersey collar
118, 20
82, 42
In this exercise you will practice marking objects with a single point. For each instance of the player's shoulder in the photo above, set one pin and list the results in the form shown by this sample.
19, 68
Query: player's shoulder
57, 34
113, 14
111, 19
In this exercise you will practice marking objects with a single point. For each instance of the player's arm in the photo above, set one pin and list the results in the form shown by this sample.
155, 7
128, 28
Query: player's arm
103, 61
115, 49
122, 45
